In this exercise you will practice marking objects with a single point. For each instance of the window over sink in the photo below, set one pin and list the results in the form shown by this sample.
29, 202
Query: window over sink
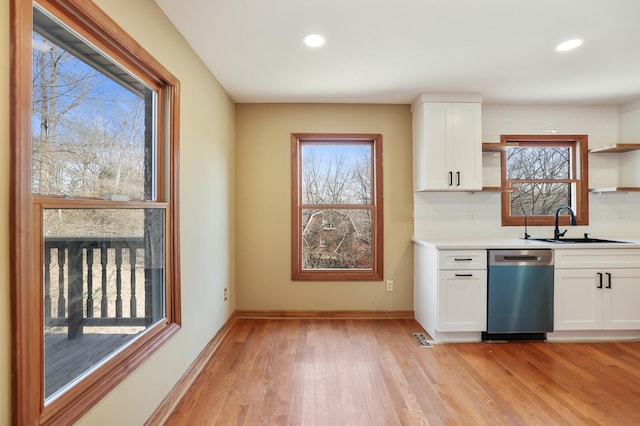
543, 173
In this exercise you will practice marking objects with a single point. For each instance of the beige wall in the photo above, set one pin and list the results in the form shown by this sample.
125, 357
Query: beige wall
263, 200
207, 224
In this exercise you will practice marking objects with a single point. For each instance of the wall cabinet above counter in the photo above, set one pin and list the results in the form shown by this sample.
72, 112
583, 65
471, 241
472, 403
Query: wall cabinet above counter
447, 143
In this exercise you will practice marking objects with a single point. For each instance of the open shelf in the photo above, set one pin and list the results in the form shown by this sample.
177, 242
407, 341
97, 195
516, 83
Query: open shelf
497, 147
617, 147
615, 189
614, 148
499, 188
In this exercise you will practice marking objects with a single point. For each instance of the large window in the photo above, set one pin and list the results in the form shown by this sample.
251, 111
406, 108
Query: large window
94, 155
542, 174
336, 213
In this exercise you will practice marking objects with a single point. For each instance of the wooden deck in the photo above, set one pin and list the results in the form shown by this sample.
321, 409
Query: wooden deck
372, 372
66, 360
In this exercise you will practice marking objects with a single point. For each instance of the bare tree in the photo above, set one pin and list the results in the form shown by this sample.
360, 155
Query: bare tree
533, 170
56, 91
362, 177
337, 236
88, 141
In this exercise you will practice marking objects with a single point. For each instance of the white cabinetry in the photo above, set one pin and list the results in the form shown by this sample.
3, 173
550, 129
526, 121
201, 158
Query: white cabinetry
597, 289
450, 299
447, 144
459, 307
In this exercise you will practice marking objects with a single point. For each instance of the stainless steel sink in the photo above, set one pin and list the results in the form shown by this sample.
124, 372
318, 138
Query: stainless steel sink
576, 240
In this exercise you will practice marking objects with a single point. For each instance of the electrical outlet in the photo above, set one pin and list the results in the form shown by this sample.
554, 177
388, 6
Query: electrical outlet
389, 286
620, 217
226, 294
472, 216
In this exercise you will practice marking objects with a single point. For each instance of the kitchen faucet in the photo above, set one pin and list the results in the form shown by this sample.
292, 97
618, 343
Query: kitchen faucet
556, 232
526, 234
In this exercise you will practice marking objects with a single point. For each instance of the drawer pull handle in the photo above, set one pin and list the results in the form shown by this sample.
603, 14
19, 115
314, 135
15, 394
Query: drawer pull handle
464, 275
461, 259
599, 279
608, 280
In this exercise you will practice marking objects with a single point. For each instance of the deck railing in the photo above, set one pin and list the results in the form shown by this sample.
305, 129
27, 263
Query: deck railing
97, 281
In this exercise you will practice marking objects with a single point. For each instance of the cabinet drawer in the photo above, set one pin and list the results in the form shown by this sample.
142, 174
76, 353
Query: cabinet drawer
462, 259
597, 258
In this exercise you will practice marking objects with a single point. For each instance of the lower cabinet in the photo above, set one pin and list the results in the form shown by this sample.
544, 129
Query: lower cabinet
597, 299
596, 293
597, 290
462, 297
450, 293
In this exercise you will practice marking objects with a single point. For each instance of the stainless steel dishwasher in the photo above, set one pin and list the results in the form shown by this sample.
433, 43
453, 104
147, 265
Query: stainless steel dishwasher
519, 294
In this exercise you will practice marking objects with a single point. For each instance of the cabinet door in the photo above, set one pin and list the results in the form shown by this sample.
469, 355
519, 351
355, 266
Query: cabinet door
435, 134
447, 146
466, 147
462, 300
577, 299
621, 302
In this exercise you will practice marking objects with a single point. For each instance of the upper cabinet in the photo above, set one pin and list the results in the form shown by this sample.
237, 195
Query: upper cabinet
447, 143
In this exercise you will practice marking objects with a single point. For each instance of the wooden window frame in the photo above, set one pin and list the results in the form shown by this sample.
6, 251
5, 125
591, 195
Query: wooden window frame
28, 404
580, 173
376, 206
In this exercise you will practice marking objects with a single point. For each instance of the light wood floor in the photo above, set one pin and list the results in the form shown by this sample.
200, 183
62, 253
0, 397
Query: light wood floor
371, 372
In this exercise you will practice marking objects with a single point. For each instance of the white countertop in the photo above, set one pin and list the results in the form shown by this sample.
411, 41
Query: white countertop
518, 243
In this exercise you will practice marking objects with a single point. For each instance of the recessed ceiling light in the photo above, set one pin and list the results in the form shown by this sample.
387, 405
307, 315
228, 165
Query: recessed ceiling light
569, 45
314, 40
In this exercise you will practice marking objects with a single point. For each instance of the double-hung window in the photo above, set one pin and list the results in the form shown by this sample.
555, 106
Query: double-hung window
543, 173
95, 240
337, 226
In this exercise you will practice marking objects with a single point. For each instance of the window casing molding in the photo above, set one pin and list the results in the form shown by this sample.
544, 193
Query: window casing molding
580, 172
28, 405
298, 273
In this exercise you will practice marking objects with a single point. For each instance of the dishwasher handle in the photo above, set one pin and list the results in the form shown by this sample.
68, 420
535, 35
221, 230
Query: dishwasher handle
522, 258
540, 257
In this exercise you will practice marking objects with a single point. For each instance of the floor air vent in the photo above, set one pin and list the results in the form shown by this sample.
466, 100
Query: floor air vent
422, 340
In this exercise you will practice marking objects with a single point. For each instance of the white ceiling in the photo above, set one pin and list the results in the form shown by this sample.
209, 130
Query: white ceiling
389, 51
